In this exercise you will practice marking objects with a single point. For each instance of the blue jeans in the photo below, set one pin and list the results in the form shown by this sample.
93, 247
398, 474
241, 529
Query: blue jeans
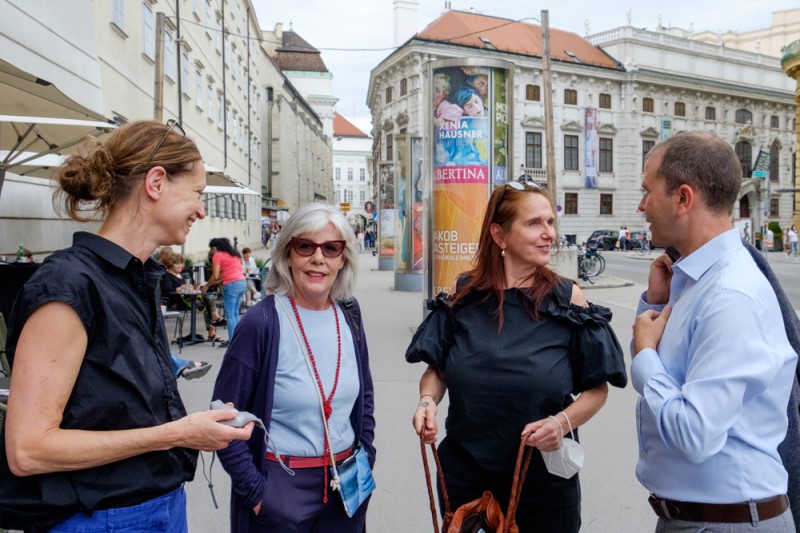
165, 514
178, 364
232, 294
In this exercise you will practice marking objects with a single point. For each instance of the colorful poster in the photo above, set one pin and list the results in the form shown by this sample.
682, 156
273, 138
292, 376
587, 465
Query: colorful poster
592, 145
461, 143
386, 224
416, 194
402, 215
500, 126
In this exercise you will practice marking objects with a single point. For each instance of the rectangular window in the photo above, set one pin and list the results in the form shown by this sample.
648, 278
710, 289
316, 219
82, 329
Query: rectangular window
198, 88
646, 147
349, 195
220, 111
403, 87
570, 97
210, 109
606, 204
185, 73
680, 109
774, 122
219, 35
388, 94
648, 105
147, 31
362, 174
338, 173
389, 148
604, 101
349, 173
774, 207
606, 155
570, 152
362, 196
533, 149
570, 203
532, 93
169, 55
118, 14
711, 113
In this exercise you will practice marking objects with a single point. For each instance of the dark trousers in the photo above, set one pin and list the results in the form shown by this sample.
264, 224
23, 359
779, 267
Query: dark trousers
547, 503
293, 504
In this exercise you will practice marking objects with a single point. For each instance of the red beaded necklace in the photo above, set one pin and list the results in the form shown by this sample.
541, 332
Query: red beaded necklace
326, 401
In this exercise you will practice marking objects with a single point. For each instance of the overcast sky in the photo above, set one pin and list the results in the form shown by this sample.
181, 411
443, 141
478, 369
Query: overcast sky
358, 27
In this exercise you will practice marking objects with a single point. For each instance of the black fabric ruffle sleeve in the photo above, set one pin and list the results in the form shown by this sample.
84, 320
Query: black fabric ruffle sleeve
595, 353
434, 336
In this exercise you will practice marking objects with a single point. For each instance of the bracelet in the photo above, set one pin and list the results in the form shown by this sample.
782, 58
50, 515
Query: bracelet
560, 427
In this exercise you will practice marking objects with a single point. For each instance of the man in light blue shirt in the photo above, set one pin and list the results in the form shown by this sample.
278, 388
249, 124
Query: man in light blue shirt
711, 359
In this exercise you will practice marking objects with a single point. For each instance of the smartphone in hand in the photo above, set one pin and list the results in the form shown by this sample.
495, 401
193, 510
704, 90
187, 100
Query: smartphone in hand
673, 253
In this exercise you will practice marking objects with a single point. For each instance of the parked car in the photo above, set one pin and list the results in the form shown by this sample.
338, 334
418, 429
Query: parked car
604, 239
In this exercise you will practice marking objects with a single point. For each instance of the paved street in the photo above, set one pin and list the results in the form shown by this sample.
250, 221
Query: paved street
613, 501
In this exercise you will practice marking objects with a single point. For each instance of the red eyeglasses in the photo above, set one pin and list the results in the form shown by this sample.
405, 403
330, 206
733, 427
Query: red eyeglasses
307, 248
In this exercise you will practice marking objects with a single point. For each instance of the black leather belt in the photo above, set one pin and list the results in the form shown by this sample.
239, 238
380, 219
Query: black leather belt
751, 511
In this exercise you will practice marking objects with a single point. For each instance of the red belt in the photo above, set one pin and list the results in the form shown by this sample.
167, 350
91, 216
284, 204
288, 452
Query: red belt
720, 512
310, 462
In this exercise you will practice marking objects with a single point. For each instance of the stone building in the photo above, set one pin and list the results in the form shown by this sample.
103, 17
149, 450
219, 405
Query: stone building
642, 85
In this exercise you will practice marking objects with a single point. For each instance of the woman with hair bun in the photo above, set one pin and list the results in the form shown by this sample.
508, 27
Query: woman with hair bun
96, 434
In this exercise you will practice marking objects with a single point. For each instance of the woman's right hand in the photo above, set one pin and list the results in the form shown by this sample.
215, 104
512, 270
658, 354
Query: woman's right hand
203, 431
424, 419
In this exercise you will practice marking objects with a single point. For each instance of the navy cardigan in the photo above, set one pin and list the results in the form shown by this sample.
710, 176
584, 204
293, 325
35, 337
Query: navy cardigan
247, 379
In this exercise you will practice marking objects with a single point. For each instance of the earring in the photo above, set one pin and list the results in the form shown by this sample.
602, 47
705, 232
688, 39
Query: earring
502, 252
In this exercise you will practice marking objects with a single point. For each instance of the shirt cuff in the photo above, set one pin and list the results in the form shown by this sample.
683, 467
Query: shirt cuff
644, 306
644, 365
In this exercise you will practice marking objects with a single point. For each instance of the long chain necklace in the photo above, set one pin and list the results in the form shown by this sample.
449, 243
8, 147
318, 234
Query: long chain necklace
326, 401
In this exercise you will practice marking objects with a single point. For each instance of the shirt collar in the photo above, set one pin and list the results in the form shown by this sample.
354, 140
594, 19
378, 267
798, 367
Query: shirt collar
698, 262
111, 252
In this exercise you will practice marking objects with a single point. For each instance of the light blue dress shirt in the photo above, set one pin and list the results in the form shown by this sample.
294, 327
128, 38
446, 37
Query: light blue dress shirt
712, 409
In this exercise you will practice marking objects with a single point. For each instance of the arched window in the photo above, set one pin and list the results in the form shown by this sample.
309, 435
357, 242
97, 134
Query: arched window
743, 116
745, 154
774, 159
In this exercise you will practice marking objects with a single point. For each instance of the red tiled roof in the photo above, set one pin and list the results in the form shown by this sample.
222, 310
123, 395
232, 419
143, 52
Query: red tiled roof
466, 29
344, 128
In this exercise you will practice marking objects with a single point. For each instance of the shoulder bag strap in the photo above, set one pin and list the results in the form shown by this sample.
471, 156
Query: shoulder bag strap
520, 470
448, 515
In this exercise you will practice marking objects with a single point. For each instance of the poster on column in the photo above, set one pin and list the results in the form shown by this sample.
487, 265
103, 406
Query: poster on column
416, 193
401, 214
461, 145
500, 127
592, 144
387, 215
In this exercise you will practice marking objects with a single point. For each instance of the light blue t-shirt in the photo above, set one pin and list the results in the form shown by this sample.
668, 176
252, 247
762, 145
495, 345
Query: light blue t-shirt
296, 421
712, 409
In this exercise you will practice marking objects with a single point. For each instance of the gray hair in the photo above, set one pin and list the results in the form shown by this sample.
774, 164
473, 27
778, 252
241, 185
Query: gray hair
312, 218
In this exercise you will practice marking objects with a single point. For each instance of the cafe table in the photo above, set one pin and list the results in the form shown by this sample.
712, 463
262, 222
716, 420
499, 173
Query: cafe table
193, 296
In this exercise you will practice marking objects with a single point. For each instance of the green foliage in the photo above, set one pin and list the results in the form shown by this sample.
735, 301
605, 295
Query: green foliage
261, 262
188, 262
776, 230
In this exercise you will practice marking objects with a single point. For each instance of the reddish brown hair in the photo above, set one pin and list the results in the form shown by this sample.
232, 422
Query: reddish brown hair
488, 272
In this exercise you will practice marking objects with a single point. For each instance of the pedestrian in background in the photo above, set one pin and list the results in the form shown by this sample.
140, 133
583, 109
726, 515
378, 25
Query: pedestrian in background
793, 240
226, 265
711, 358
511, 348
96, 435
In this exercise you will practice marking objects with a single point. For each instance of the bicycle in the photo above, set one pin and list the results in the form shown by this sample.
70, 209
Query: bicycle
590, 264
644, 247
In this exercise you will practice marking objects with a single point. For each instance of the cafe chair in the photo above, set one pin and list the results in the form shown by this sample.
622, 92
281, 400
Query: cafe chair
179, 317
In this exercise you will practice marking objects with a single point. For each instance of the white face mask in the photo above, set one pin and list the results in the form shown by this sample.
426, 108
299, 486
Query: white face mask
568, 459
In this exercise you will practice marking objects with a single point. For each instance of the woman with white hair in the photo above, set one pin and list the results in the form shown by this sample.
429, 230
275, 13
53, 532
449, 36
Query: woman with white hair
301, 347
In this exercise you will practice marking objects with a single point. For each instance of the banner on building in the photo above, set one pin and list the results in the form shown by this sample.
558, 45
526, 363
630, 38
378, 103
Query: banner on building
592, 146
666, 128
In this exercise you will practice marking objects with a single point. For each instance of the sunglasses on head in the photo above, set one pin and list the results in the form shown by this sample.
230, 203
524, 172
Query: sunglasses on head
307, 248
519, 185
171, 125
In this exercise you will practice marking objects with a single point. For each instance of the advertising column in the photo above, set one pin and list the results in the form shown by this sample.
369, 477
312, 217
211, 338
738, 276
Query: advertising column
386, 217
470, 147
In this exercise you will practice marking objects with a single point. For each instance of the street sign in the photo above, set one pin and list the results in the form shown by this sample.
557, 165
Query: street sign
344, 207
760, 174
